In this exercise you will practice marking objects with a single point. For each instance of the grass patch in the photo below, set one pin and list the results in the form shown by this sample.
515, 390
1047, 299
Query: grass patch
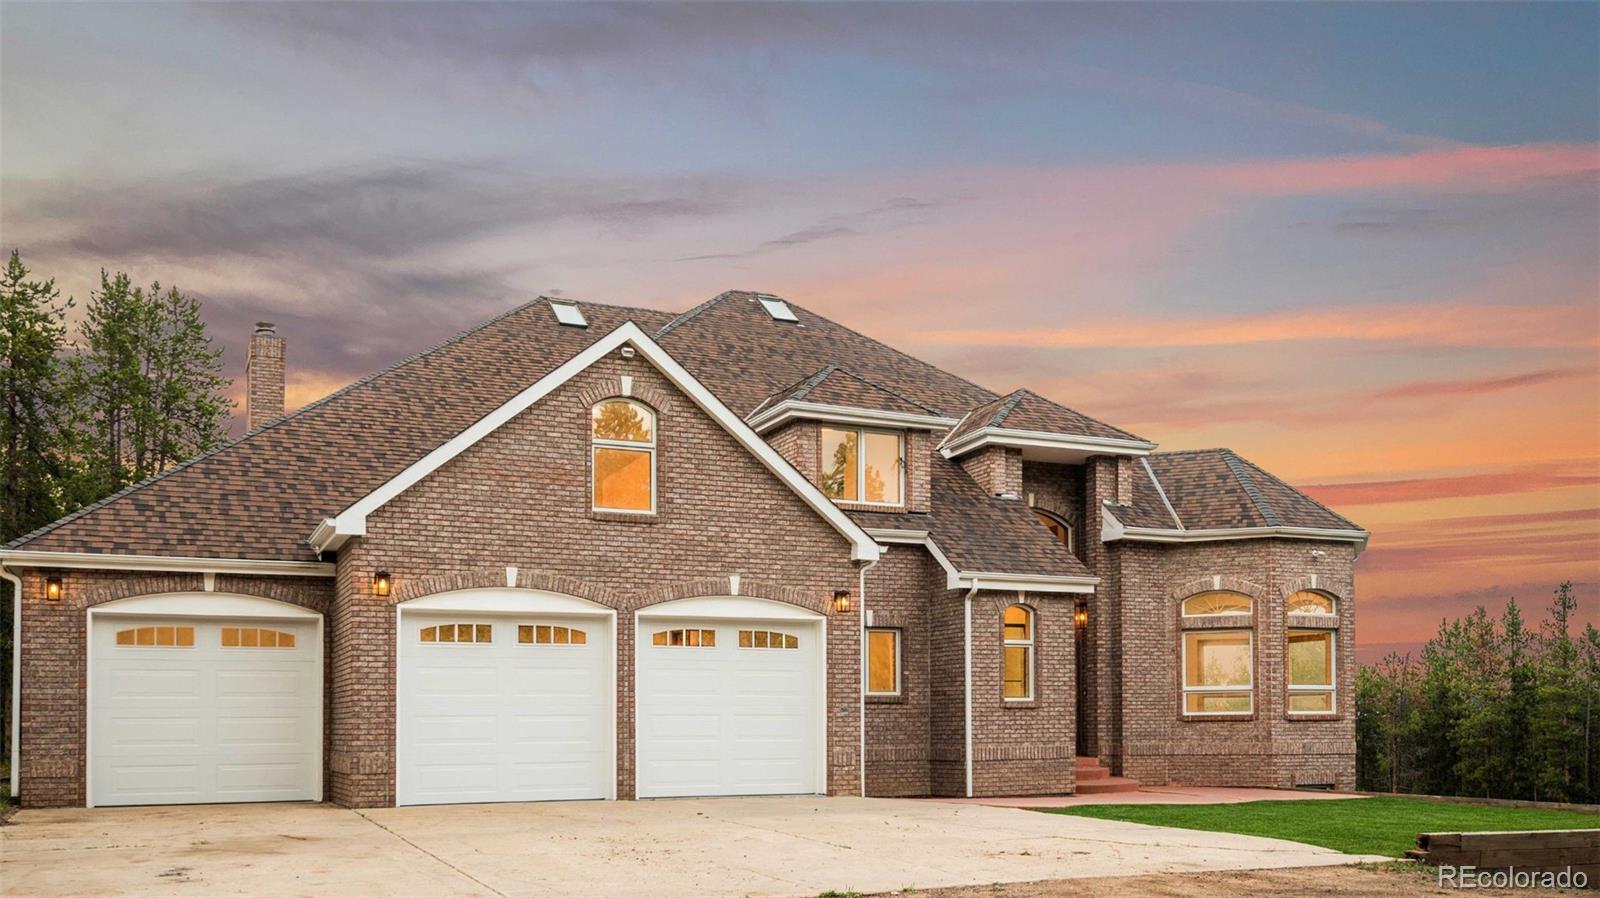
1386, 826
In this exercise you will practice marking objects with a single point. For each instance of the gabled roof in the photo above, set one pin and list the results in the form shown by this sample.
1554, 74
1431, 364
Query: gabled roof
834, 394
1214, 494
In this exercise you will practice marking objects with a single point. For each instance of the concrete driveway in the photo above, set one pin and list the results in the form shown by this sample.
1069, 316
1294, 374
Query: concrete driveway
700, 847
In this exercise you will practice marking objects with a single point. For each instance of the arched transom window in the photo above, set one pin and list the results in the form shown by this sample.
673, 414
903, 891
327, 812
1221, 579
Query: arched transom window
624, 457
1309, 602
1058, 526
1210, 603
542, 634
1017, 666
1218, 664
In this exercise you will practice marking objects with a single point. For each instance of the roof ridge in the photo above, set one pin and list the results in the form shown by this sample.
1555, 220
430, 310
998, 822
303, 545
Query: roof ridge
811, 383
1007, 407
895, 393
1236, 465
275, 422
684, 317
1299, 492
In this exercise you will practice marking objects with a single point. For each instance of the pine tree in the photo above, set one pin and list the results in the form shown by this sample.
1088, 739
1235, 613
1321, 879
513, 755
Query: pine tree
1556, 729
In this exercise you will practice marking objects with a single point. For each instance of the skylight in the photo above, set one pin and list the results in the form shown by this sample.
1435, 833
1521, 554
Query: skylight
777, 308
568, 313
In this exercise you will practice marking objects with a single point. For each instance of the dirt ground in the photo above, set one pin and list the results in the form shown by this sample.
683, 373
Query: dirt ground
1364, 881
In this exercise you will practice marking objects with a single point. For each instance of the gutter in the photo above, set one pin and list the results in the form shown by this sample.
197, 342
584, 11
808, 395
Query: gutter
996, 580
16, 678
165, 563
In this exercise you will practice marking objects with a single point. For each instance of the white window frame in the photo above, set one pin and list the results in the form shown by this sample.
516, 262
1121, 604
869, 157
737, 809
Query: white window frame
899, 638
1183, 606
1005, 643
1333, 662
597, 443
861, 462
1183, 661
455, 623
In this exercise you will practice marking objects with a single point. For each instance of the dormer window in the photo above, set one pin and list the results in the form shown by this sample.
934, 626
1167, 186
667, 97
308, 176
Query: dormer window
865, 466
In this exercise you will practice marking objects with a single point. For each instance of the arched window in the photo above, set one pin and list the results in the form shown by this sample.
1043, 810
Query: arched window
624, 457
1017, 664
1218, 664
1209, 603
1309, 602
1059, 526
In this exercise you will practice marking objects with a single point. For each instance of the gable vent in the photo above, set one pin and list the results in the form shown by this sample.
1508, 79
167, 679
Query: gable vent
777, 308
568, 313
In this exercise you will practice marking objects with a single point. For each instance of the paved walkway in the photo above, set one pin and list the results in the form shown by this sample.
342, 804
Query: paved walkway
1157, 795
701, 847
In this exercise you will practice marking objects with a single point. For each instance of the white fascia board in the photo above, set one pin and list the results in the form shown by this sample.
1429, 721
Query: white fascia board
789, 410
1034, 439
959, 579
96, 561
909, 537
353, 520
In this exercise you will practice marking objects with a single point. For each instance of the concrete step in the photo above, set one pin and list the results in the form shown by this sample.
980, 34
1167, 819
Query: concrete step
1107, 785
1089, 774
1087, 761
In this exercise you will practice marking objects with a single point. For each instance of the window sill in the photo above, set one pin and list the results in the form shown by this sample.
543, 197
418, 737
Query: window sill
1215, 718
1323, 716
1019, 703
892, 508
653, 517
885, 699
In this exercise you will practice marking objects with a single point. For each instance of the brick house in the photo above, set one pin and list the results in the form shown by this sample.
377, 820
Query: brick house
587, 551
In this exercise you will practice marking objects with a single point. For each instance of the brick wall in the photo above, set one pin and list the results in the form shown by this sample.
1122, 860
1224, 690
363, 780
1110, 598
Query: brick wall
995, 468
54, 649
898, 742
1023, 747
1267, 747
521, 497
1058, 489
263, 376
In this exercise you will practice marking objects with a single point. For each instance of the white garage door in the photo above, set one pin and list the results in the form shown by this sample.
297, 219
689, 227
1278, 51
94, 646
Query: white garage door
194, 710
729, 707
504, 708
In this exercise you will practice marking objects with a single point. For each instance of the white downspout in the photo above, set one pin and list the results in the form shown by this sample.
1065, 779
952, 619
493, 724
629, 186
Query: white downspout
967, 642
16, 679
861, 709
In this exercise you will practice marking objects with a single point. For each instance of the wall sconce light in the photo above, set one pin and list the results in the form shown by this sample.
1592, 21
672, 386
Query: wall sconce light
1080, 616
52, 588
381, 581
841, 601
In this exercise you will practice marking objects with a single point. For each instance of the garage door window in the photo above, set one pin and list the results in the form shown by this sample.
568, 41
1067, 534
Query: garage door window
690, 638
529, 634
479, 633
256, 638
767, 639
178, 637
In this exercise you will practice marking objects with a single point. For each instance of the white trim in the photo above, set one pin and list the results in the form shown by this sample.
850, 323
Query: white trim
1036, 439
520, 602
788, 410
899, 636
205, 604
966, 639
1332, 688
353, 520
16, 679
1112, 529
216, 605
959, 579
182, 564
729, 608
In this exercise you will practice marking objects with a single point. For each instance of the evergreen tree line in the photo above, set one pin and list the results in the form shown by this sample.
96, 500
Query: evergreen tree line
1490, 709
138, 390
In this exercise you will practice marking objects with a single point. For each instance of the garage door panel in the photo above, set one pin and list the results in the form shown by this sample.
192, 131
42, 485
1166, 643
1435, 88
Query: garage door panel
735, 718
533, 720
189, 723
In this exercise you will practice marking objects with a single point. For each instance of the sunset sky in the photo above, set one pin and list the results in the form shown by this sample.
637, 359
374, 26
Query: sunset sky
1359, 244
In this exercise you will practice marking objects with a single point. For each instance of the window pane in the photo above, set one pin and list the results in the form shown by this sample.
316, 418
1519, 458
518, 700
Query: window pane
1217, 659
621, 479
1018, 623
579, 637
1216, 603
1310, 702
659, 638
839, 464
882, 674
1308, 602
883, 467
1057, 529
1310, 658
186, 636
1016, 671
622, 421
429, 634
561, 635
126, 637
708, 637
485, 633
250, 637
1217, 702
524, 633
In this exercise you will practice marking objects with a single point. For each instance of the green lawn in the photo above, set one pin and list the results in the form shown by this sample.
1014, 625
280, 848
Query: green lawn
1358, 826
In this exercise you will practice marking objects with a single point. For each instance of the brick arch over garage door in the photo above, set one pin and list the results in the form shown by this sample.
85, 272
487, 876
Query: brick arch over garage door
497, 578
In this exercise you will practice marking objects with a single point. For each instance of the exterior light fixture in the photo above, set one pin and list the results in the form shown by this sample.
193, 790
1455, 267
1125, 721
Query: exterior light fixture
381, 582
1080, 616
841, 601
52, 588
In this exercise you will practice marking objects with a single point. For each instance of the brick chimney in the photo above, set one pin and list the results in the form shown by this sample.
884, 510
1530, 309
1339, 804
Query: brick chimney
263, 377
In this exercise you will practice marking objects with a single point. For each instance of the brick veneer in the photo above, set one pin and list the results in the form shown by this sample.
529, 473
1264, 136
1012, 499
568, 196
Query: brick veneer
520, 497
800, 443
899, 589
998, 469
54, 647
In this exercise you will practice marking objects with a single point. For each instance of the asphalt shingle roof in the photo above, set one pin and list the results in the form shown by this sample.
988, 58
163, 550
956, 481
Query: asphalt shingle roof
1216, 489
1027, 410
